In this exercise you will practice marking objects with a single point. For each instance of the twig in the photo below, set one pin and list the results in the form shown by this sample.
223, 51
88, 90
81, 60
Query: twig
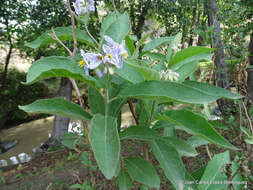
49, 185
208, 152
130, 104
88, 32
115, 9
58, 40
247, 115
77, 92
73, 30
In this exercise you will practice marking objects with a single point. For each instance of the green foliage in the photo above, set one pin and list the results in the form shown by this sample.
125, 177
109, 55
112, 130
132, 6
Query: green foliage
142, 171
105, 143
57, 106
124, 181
56, 66
140, 78
195, 125
63, 33
16, 94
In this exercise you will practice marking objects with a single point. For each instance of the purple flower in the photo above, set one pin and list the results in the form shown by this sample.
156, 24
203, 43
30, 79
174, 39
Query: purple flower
99, 73
114, 52
90, 61
82, 6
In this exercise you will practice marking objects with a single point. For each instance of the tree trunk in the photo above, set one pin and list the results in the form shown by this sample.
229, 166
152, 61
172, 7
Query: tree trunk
221, 76
7, 61
250, 71
141, 19
61, 123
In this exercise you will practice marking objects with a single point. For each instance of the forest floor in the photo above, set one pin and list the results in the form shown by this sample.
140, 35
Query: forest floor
60, 169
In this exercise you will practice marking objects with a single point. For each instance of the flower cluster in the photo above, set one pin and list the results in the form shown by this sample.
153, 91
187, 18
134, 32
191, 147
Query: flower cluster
83, 6
113, 55
169, 75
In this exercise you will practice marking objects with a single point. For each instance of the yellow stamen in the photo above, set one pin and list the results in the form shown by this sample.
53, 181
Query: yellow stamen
99, 58
81, 63
110, 56
124, 55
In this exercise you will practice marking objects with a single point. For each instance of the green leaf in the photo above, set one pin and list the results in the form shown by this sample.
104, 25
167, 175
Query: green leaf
249, 140
84, 158
139, 133
119, 29
246, 131
63, 33
107, 22
181, 146
196, 141
124, 180
156, 56
129, 45
174, 43
167, 91
68, 140
195, 125
142, 40
186, 70
155, 43
129, 74
213, 90
104, 140
170, 162
96, 101
190, 54
56, 66
146, 72
57, 106
142, 171
77, 186
213, 168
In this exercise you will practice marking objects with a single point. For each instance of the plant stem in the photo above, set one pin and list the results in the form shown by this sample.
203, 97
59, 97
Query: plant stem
208, 152
88, 32
130, 104
115, 9
106, 96
72, 55
247, 115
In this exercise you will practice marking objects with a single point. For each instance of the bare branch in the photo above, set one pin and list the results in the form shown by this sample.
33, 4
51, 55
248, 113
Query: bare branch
58, 40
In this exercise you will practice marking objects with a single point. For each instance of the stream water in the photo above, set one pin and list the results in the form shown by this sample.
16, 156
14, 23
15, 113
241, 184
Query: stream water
31, 135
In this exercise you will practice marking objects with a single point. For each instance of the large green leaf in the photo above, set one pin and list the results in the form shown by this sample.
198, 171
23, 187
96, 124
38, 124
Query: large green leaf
213, 90
170, 162
196, 141
213, 168
129, 74
181, 146
186, 70
139, 133
56, 66
168, 91
124, 180
142, 171
96, 101
155, 43
57, 106
189, 52
111, 18
119, 28
63, 33
196, 125
104, 140
145, 71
